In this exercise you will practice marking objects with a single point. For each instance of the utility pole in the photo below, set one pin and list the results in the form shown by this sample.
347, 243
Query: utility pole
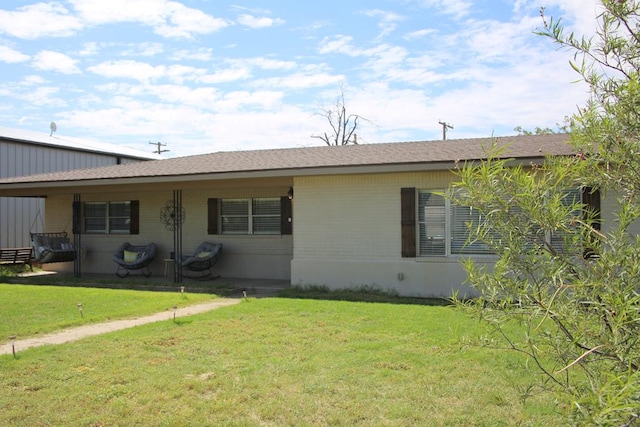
159, 146
445, 126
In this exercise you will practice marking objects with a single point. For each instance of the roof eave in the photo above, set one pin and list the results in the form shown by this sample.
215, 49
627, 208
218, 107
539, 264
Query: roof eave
14, 189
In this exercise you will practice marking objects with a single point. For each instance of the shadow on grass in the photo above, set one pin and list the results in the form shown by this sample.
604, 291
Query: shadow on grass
359, 294
365, 293
133, 282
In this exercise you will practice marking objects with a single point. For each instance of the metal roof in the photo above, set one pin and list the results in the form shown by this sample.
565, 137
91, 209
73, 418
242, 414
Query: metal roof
75, 144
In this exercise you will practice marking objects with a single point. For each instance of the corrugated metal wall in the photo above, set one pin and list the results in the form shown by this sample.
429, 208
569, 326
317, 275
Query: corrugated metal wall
19, 216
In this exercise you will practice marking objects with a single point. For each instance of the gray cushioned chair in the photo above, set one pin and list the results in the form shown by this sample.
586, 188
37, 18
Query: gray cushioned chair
134, 257
202, 260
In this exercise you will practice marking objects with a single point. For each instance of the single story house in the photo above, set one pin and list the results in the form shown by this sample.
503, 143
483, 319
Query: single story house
338, 216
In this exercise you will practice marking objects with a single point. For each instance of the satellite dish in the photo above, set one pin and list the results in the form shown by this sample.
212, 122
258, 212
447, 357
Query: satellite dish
53, 128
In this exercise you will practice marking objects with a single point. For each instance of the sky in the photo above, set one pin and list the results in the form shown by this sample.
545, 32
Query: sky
208, 75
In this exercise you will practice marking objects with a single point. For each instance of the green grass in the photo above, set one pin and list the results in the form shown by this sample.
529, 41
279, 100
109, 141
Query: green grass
32, 310
278, 362
366, 293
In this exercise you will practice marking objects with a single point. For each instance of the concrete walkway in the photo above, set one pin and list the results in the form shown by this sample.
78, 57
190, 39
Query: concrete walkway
74, 334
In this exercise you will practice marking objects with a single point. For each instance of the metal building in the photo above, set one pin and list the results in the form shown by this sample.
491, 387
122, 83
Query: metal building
27, 153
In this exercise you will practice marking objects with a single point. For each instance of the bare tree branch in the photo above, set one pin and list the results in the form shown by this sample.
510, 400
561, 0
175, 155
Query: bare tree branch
344, 126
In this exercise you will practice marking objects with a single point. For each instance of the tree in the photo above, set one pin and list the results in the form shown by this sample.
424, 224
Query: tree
343, 125
570, 278
538, 131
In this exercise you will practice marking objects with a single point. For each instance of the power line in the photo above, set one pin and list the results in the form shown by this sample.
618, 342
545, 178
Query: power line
445, 127
159, 146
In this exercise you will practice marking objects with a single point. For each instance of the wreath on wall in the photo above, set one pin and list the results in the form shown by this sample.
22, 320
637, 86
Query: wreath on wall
170, 215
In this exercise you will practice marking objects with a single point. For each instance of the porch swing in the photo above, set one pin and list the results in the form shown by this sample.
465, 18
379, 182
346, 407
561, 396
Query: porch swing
51, 247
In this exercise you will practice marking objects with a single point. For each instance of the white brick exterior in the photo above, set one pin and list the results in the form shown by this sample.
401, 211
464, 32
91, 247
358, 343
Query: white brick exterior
347, 233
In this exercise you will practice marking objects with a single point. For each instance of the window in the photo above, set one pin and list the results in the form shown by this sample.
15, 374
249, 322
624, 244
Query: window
443, 227
235, 216
432, 219
570, 198
266, 216
463, 217
95, 217
110, 217
250, 216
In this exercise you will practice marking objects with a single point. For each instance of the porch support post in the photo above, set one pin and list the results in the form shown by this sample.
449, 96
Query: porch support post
177, 236
77, 235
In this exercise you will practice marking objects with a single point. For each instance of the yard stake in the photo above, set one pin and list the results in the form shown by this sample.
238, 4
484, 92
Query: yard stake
13, 345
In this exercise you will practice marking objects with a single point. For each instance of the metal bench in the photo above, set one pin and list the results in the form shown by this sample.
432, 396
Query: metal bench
15, 256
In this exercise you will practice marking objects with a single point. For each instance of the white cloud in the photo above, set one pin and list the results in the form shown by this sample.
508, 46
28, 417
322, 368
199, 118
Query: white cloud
89, 49
189, 130
415, 35
143, 49
33, 80
42, 96
301, 80
182, 73
36, 96
264, 63
47, 60
226, 75
39, 20
241, 100
456, 8
145, 72
336, 44
12, 56
205, 98
257, 23
184, 22
127, 69
167, 18
388, 20
201, 54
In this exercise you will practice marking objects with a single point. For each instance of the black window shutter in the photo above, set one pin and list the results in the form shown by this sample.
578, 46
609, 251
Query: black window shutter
286, 216
408, 221
212, 216
591, 200
134, 225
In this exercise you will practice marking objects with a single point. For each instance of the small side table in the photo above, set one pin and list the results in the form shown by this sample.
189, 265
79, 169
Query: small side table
167, 263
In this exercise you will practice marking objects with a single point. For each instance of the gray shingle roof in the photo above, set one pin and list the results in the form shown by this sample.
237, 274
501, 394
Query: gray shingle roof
288, 160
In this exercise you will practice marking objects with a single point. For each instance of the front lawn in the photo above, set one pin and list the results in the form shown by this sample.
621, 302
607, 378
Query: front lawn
33, 310
276, 362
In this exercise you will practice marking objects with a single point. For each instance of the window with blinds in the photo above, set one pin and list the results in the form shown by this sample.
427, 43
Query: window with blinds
443, 227
462, 219
95, 217
571, 197
234, 216
266, 216
119, 217
250, 216
432, 223
107, 217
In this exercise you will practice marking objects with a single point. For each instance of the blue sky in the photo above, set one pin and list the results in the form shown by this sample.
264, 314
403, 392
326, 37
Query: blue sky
208, 75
